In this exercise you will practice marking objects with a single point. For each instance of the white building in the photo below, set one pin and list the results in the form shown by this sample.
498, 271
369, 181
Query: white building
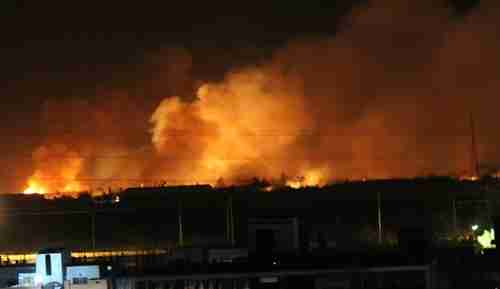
53, 270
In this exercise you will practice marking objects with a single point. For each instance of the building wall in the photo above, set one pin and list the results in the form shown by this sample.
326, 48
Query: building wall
9, 274
83, 271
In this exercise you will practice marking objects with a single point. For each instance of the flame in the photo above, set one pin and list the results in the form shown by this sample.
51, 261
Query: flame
310, 179
239, 129
57, 171
34, 188
38, 187
369, 110
469, 178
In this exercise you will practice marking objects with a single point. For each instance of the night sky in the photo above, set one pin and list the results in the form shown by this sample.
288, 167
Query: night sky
56, 55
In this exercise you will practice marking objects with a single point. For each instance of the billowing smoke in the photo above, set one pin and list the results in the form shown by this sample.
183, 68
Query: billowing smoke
88, 146
389, 96
102, 141
242, 127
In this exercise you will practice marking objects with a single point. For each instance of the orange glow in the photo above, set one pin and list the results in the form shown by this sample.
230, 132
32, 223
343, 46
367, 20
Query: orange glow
345, 105
239, 129
469, 178
34, 188
55, 174
268, 188
311, 178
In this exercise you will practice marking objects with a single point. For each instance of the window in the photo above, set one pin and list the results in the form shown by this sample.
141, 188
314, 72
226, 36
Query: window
80, 280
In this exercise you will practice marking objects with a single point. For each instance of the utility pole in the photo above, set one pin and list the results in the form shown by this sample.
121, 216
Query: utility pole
379, 218
488, 210
229, 221
181, 231
231, 216
92, 228
226, 215
455, 225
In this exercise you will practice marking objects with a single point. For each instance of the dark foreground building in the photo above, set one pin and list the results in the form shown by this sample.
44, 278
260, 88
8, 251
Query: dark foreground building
378, 234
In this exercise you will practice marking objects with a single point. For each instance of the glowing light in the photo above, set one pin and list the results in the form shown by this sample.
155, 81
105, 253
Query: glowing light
72, 187
474, 227
233, 122
55, 175
486, 239
469, 178
37, 187
34, 188
310, 178
268, 188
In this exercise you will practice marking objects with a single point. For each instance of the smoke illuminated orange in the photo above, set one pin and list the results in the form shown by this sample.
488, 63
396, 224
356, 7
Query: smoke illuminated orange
367, 103
57, 171
239, 129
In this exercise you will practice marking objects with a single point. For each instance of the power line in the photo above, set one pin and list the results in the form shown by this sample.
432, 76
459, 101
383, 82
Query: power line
173, 133
15, 212
155, 157
114, 180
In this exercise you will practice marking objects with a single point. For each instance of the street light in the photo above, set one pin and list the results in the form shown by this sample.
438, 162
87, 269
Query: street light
474, 227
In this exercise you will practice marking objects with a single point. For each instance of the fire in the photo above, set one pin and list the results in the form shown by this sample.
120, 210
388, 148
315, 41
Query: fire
37, 187
57, 171
239, 129
310, 179
340, 107
34, 188
469, 178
